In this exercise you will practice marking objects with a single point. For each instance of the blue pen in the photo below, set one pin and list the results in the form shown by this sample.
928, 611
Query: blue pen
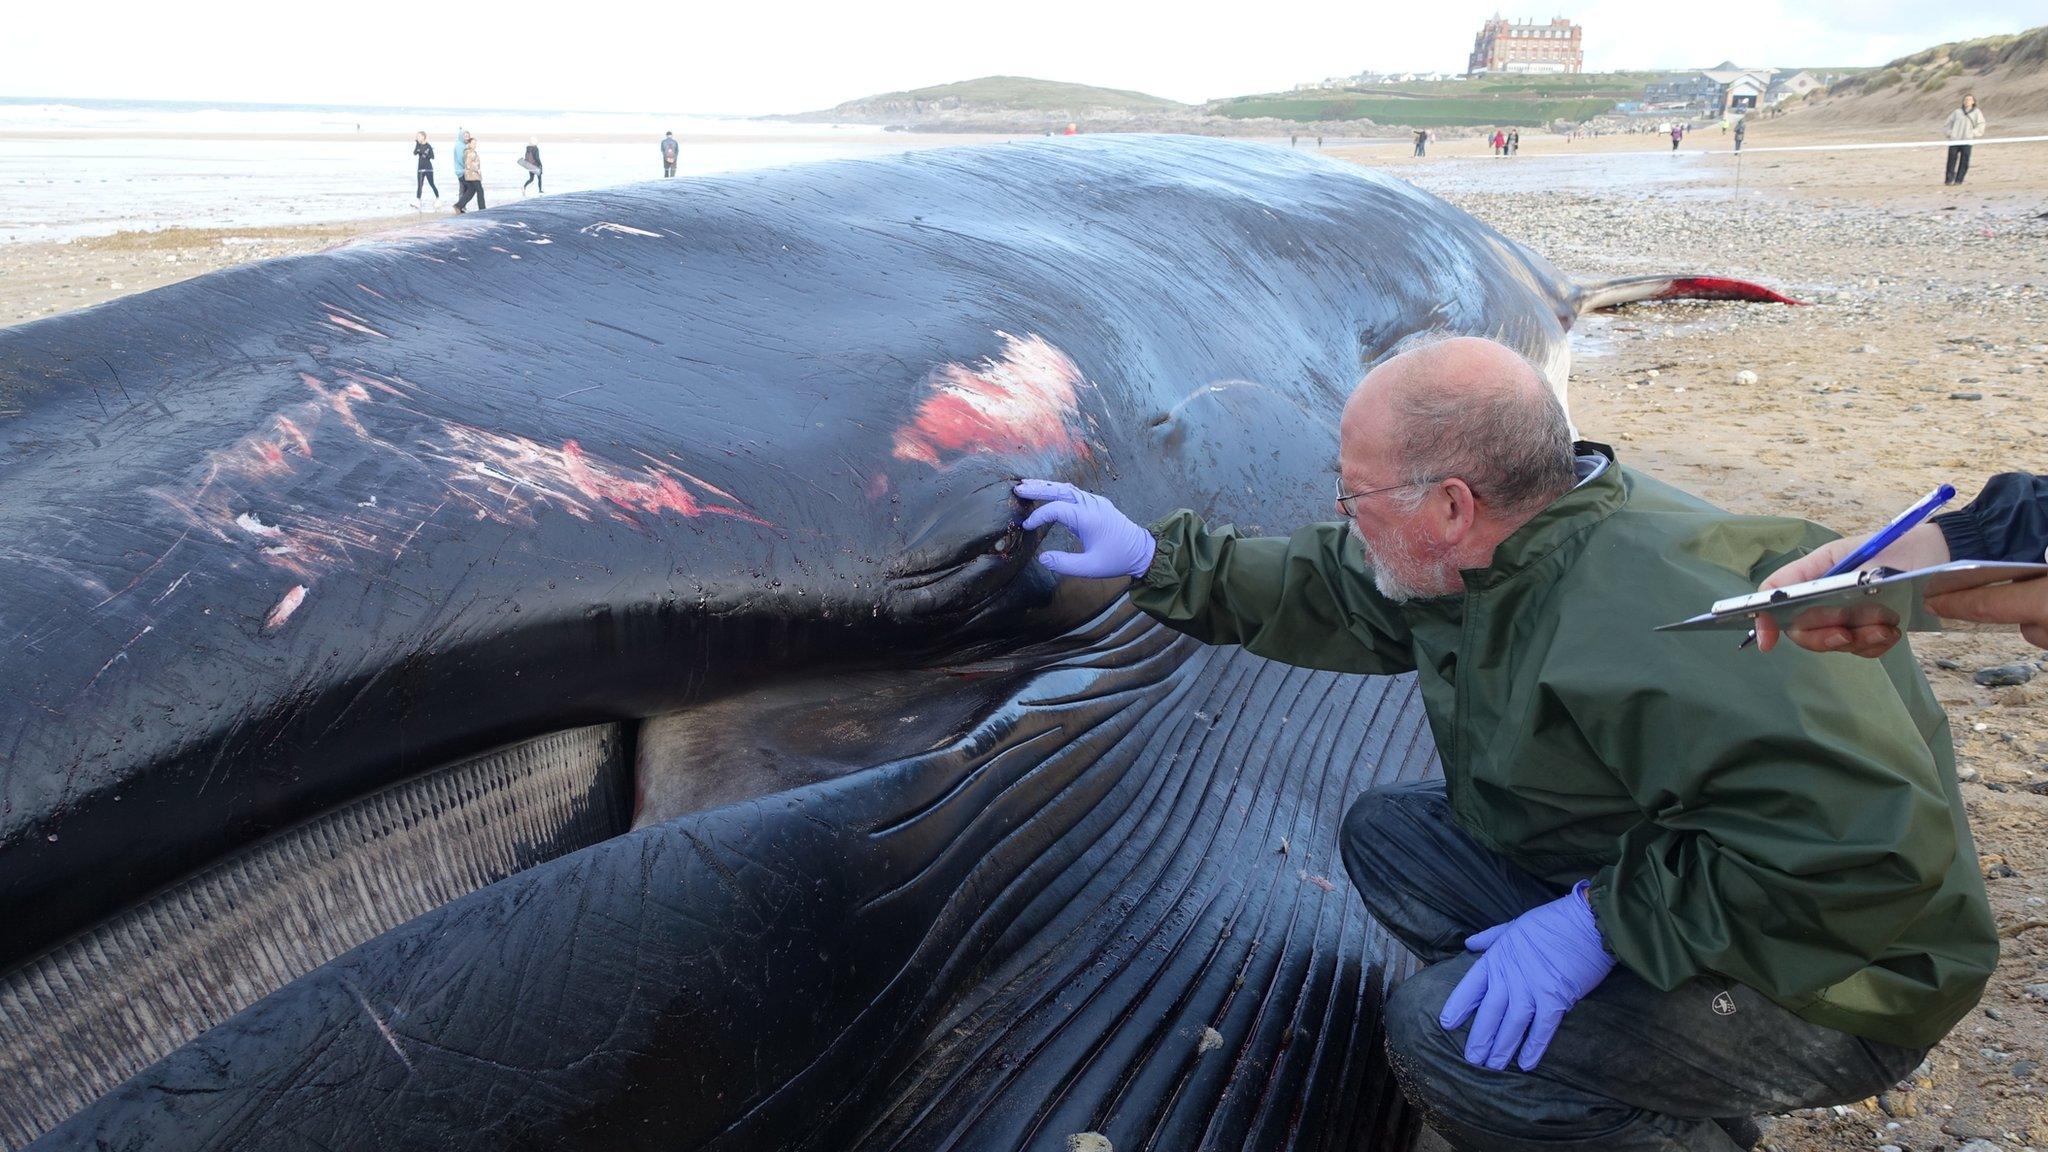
1882, 539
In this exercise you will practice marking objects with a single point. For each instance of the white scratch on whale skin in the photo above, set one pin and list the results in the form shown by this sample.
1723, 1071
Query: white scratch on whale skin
604, 226
121, 655
286, 607
175, 585
248, 522
383, 1029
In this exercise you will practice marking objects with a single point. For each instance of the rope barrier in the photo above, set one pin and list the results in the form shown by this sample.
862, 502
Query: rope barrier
1862, 147
1775, 148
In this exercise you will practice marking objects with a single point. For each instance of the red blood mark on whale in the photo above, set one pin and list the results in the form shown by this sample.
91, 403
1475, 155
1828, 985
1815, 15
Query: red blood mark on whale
349, 321
657, 493
286, 607
1721, 288
1022, 401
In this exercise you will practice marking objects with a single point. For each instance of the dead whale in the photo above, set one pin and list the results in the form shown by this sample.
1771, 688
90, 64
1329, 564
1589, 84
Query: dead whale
572, 676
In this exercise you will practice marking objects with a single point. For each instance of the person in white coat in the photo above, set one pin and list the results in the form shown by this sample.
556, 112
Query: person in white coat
1964, 125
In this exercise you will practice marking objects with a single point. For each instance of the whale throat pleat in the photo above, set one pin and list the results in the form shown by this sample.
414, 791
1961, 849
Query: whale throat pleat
102, 1006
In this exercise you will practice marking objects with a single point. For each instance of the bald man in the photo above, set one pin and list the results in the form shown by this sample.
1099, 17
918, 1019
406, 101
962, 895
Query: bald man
1660, 889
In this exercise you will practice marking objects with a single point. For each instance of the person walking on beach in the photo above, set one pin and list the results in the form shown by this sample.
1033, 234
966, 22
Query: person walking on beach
1514, 141
424, 154
531, 162
669, 149
1500, 143
461, 135
472, 176
1421, 141
1964, 125
1677, 134
1741, 127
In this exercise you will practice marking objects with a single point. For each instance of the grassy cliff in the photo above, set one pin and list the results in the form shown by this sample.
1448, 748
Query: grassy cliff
2008, 75
1006, 94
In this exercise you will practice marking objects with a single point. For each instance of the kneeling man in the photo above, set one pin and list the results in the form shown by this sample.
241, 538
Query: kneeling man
1664, 886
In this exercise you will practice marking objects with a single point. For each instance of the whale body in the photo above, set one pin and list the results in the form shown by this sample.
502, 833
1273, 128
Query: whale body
572, 676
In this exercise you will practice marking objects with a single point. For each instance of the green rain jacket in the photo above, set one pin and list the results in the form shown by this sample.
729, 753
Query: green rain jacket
1790, 821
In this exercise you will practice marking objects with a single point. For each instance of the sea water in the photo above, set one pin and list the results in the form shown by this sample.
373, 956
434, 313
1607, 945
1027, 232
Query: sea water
81, 168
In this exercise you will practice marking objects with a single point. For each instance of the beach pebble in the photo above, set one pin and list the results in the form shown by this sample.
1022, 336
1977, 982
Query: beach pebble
1865, 348
1745, 377
2036, 991
2004, 676
1972, 1146
1652, 373
1966, 395
1966, 775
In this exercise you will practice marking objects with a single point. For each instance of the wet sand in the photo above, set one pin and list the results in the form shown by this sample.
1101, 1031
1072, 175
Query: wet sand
1922, 357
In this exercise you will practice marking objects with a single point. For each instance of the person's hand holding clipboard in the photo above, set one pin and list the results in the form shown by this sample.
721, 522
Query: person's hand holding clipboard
1909, 545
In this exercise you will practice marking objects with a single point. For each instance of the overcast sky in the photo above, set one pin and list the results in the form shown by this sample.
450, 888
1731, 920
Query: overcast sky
783, 56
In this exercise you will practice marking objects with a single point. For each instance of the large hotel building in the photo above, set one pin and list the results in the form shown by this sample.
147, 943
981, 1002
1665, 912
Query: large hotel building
1505, 46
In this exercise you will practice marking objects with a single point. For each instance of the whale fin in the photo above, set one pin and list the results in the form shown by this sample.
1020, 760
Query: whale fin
1630, 289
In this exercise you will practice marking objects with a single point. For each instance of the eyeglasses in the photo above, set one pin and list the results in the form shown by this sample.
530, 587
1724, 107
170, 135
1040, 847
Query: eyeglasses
1344, 499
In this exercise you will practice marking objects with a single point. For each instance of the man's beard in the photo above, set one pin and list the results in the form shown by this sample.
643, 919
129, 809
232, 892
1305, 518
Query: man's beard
1393, 582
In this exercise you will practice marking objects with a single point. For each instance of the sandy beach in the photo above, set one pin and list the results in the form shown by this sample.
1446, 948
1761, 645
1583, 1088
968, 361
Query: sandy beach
1921, 356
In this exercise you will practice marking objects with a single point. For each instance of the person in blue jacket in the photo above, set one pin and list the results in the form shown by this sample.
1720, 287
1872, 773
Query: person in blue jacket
461, 150
2008, 521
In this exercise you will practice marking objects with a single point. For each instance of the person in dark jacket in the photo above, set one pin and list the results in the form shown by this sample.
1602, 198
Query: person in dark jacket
423, 153
2008, 521
1741, 130
670, 149
1514, 141
531, 162
1421, 141
1662, 887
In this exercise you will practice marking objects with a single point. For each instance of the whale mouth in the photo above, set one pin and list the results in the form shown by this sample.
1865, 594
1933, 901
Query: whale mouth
103, 1005
133, 987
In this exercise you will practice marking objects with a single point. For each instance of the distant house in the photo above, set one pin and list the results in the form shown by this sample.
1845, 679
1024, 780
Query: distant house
1744, 91
1681, 90
1726, 88
1514, 46
1792, 86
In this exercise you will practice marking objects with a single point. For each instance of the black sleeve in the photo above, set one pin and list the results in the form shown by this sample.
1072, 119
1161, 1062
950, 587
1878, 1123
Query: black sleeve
2007, 521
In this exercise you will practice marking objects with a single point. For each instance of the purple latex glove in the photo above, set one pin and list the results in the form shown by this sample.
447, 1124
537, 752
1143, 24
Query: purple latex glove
1535, 968
1111, 545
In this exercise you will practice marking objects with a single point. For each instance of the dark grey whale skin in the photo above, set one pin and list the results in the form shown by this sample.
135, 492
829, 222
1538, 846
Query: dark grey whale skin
278, 535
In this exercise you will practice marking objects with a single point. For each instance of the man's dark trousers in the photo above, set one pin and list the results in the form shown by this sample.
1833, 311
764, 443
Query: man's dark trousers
1958, 163
1631, 1067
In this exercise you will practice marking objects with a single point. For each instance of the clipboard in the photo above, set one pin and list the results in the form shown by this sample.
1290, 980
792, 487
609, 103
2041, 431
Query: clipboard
1856, 599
